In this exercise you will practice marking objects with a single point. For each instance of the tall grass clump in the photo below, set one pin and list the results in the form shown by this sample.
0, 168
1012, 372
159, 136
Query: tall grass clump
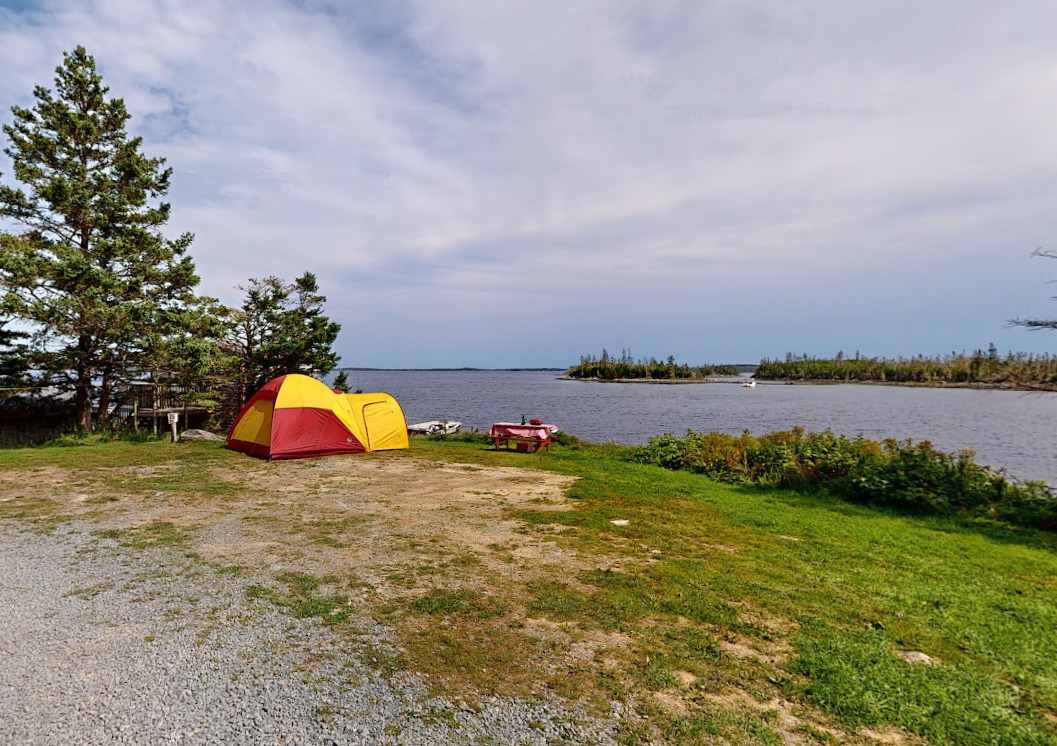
911, 476
463, 436
108, 435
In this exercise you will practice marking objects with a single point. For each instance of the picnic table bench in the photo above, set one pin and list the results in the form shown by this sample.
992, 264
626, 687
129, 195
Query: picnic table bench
526, 438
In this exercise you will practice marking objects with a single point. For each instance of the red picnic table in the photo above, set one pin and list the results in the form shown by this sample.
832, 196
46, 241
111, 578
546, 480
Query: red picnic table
527, 438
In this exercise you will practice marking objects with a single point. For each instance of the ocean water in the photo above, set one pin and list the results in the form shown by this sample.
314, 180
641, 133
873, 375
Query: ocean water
1007, 429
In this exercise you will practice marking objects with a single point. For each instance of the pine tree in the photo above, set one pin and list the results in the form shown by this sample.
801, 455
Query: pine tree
341, 382
280, 328
189, 351
91, 270
13, 361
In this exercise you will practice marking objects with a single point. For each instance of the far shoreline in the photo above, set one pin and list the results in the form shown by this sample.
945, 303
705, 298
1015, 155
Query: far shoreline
1039, 387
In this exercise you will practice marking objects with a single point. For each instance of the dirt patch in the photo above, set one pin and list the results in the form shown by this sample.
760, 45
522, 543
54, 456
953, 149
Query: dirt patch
575, 649
685, 678
725, 548
787, 719
17, 482
399, 523
890, 735
774, 626
744, 648
596, 645
671, 702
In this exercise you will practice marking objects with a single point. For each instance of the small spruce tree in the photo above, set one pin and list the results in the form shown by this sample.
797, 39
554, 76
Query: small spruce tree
281, 328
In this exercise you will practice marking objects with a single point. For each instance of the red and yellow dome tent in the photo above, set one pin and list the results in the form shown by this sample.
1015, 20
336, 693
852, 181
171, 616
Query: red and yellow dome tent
296, 416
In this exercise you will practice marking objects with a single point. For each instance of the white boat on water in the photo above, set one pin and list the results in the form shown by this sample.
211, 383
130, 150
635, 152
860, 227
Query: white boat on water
435, 427
749, 384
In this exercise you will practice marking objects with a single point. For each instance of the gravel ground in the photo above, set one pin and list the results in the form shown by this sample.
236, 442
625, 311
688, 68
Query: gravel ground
102, 645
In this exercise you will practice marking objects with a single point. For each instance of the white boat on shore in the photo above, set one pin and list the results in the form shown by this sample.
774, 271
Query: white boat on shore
749, 384
435, 427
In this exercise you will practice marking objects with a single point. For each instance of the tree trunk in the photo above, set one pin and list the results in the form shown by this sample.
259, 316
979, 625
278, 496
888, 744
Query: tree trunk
83, 387
83, 399
105, 386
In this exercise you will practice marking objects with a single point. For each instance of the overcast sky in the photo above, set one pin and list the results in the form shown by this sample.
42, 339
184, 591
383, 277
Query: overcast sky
514, 183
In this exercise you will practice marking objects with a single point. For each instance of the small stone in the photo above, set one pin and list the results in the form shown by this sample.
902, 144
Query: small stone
916, 656
194, 434
620, 522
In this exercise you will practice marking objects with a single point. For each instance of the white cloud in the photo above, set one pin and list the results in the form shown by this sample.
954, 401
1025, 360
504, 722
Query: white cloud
625, 163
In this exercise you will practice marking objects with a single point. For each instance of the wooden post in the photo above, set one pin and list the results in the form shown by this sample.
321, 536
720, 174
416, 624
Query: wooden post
154, 389
135, 413
174, 417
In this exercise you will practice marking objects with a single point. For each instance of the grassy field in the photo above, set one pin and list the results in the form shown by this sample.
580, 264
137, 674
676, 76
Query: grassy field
721, 613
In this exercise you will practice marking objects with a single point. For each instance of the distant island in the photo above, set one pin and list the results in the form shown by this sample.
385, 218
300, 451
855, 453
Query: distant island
625, 368
981, 369
455, 370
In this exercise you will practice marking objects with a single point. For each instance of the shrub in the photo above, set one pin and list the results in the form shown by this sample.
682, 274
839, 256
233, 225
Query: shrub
82, 438
463, 436
910, 476
567, 439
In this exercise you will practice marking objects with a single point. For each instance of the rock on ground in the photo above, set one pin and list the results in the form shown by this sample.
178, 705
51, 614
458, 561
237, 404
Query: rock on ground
194, 434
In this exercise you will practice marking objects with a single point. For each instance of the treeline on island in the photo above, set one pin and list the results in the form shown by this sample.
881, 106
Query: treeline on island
625, 366
981, 367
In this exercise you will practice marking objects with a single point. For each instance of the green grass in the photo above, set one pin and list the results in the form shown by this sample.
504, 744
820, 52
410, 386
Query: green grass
335, 532
42, 515
712, 725
851, 584
148, 535
92, 454
462, 602
829, 590
855, 676
306, 596
162, 469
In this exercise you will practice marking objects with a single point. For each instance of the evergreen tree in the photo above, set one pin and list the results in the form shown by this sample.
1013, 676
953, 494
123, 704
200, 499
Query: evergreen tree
190, 351
13, 361
341, 382
91, 270
280, 328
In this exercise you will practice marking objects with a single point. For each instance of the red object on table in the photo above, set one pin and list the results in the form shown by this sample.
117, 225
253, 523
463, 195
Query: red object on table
527, 437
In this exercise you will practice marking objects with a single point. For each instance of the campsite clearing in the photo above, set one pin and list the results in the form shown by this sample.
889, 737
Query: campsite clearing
474, 580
